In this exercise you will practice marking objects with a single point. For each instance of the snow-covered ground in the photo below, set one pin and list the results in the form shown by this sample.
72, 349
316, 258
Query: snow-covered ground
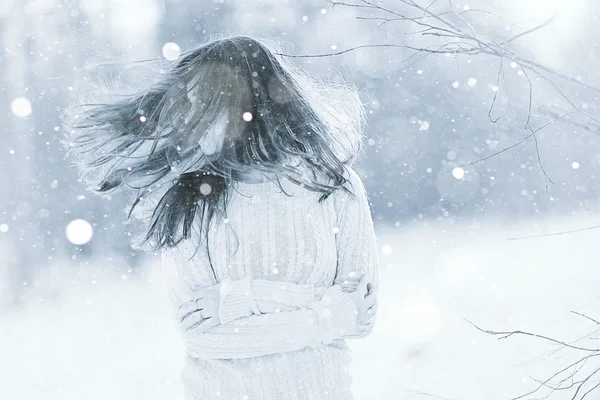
111, 338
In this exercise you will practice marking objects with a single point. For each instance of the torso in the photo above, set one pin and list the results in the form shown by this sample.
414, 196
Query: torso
295, 240
292, 240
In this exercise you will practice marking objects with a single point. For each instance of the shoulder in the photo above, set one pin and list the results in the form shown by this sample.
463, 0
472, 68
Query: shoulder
354, 182
355, 186
354, 178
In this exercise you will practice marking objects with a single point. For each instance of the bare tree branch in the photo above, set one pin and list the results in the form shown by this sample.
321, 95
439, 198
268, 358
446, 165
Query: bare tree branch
472, 51
506, 334
439, 23
458, 35
556, 374
567, 381
583, 382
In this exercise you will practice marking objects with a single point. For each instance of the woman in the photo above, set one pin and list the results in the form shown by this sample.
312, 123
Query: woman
242, 169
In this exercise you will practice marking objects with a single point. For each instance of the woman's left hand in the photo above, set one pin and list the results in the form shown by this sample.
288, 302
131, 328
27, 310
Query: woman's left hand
367, 317
201, 312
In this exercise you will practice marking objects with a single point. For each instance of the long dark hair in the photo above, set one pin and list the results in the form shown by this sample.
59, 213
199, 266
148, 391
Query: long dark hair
228, 107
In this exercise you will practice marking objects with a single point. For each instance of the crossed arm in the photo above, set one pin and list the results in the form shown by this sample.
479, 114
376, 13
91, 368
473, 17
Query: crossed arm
265, 317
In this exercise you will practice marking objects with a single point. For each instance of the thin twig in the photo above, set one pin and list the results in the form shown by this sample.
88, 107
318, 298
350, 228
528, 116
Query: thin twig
415, 393
506, 334
527, 32
496, 93
471, 51
539, 158
589, 228
515, 144
586, 317
530, 102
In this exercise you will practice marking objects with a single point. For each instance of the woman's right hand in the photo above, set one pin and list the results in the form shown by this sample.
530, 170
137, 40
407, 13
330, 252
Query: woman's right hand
365, 300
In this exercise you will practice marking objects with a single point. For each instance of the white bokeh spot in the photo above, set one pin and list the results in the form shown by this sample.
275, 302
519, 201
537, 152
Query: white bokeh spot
205, 189
79, 232
21, 107
171, 51
458, 173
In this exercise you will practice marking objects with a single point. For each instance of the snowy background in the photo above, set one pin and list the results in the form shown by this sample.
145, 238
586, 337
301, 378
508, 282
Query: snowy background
84, 316
111, 336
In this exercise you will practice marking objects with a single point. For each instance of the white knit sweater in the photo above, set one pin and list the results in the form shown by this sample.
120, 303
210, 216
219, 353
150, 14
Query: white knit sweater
283, 320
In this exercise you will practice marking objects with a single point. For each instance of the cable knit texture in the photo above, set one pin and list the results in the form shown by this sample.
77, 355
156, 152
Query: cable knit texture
284, 261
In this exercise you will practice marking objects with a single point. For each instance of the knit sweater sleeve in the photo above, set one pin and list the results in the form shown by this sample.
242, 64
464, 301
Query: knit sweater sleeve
315, 324
244, 297
355, 242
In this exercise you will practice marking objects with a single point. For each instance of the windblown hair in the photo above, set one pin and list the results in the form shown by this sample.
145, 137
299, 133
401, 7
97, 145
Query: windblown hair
228, 107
